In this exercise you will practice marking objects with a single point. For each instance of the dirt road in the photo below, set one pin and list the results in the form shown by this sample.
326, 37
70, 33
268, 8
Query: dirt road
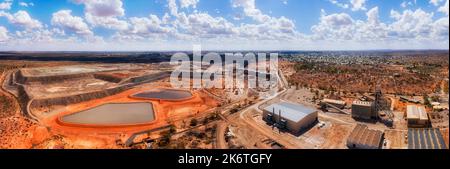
15, 107
220, 135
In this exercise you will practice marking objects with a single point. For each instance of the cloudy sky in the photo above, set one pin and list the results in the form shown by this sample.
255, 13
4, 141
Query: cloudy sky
145, 25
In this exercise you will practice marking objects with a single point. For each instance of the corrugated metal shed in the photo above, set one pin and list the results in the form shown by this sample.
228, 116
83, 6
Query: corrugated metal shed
426, 138
416, 112
364, 138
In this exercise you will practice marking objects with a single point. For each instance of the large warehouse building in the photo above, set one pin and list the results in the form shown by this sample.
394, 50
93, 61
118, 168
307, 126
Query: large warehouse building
294, 117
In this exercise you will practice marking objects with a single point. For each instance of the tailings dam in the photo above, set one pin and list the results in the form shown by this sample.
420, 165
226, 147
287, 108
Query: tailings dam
165, 94
112, 114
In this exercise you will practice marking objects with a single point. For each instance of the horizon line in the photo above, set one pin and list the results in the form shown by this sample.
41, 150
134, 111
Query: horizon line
223, 50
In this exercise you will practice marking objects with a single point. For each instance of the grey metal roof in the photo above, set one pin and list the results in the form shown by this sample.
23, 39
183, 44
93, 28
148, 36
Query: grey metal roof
429, 138
290, 111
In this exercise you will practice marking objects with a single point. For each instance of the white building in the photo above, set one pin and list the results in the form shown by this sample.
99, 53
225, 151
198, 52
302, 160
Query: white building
417, 116
294, 117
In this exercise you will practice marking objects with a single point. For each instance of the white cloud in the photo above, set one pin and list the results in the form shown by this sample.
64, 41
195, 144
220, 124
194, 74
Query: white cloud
22, 19
405, 4
104, 13
5, 5
250, 10
204, 25
148, 25
198, 24
354, 5
24, 4
180, 26
440, 29
188, 3
173, 8
418, 25
281, 29
411, 24
444, 8
333, 26
408, 26
435, 2
358, 5
267, 27
3, 34
65, 20
107, 22
339, 4
103, 8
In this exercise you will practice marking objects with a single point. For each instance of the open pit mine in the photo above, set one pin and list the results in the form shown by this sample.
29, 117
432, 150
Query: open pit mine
97, 105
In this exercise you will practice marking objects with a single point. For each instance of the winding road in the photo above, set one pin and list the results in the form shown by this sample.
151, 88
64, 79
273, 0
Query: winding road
15, 102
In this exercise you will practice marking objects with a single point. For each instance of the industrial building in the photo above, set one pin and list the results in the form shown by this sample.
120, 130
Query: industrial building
425, 139
294, 117
336, 103
364, 138
364, 110
410, 99
417, 116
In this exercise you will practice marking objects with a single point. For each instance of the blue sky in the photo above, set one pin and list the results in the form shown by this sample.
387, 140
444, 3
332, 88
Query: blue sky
223, 24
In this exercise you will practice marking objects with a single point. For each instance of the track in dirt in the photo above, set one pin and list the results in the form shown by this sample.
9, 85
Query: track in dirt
10, 105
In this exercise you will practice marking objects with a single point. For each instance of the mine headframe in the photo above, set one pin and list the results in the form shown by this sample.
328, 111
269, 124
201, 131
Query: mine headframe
378, 98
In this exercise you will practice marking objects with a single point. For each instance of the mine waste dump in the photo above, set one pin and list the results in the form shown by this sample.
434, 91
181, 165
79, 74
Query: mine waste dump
112, 114
164, 94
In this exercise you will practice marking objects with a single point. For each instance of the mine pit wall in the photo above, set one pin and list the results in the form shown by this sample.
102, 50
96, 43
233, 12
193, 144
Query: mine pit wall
73, 99
24, 99
27, 102
11, 79
108, 78
8, 84
20, 78
147, 78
